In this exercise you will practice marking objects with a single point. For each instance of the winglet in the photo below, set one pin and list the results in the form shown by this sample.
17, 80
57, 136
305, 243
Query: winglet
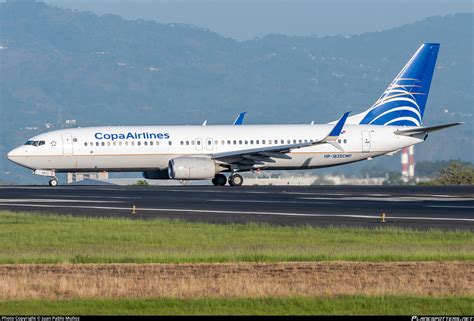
240, 119
336, 131
204, 123
332, 137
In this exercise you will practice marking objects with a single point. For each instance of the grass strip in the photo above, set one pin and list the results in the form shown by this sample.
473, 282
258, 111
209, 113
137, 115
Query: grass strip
345, 305
35, 238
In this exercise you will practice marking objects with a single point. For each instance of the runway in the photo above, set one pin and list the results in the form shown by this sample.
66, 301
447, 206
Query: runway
404, 206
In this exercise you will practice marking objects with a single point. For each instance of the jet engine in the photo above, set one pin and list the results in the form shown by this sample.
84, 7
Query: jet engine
156, 174
192, 168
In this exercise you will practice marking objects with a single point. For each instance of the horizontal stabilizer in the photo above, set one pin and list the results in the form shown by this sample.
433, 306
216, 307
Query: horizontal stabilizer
424, 130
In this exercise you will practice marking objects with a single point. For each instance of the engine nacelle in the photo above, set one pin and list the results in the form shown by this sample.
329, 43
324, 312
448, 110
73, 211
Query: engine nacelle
192, 168
156, 174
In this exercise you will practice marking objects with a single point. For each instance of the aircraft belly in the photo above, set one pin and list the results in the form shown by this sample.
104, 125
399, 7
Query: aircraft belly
314, 160
98, 162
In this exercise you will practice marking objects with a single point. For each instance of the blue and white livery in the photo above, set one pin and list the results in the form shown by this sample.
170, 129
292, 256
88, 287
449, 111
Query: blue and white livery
207, 152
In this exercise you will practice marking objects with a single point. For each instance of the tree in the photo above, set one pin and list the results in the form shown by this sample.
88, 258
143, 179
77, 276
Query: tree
393, 178
456, 174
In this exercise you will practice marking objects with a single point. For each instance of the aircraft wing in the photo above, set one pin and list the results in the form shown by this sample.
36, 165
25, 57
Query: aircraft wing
424, 130
260, 155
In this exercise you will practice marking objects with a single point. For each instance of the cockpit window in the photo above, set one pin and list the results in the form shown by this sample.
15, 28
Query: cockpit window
35, 143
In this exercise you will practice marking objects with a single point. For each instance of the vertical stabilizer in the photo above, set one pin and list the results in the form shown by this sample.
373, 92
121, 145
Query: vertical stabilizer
403, 102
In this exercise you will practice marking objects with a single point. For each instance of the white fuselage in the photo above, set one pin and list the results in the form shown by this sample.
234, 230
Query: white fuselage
144, 148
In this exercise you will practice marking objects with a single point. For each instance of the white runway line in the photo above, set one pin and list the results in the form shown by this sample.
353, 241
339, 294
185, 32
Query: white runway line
269, 201
52, 200
449, 206
138, 209
91, 196
391, 199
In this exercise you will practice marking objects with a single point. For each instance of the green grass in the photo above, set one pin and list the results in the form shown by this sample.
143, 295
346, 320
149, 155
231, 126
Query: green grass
35, 238
274, 306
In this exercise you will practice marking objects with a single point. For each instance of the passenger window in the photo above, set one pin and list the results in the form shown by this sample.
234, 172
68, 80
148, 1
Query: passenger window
74, 140
192, 142
228, 142
345, 141
235, 142
187, 142
209, 142
170, 143
263, 142
240, 142
339, 141
114, 143
222, 142
181, 143
85, 143
139, 143
151, 143
300, 141
108, 143
251, 142
145, 143
282, 141
132, 143
246, 142
126, 143
216, 142
157, 143
103, 143
120, 143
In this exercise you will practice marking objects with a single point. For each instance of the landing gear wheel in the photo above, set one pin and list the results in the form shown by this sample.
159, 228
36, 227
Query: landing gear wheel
219, 180
236, 180
53, 182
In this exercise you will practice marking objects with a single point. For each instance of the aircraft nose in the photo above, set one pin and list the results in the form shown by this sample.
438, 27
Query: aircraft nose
13, 153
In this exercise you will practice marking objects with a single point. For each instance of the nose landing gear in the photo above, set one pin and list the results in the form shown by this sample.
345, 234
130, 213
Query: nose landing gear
53, 182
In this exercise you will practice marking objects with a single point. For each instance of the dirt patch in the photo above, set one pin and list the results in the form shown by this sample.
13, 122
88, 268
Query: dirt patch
60, 281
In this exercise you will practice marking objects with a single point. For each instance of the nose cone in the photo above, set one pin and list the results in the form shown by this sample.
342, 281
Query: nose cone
13, 155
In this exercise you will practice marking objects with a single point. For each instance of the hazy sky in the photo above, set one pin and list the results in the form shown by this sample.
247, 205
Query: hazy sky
246, 19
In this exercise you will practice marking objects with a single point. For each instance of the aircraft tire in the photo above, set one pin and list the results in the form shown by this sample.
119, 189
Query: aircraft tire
236, 180
219, 180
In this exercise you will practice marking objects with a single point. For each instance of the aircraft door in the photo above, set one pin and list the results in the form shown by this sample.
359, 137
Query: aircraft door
67, 144
198, 144
366, 141
209, 144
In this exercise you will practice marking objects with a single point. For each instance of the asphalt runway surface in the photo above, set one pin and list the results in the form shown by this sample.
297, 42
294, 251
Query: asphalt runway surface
404, 206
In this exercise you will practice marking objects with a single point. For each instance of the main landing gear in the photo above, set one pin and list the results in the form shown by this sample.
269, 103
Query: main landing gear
235, 180
221, 180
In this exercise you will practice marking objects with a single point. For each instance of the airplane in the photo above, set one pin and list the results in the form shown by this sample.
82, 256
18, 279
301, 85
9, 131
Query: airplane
206, 152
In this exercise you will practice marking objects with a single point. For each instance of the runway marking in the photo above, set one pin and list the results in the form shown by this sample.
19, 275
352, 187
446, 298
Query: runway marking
52, 200
450, 206
264, 201
390, 199
91, 196
375, 217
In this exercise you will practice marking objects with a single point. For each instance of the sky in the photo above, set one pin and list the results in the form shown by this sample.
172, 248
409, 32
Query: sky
248, 19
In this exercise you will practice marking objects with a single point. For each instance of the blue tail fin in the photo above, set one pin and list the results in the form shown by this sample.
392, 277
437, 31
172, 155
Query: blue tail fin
403, 102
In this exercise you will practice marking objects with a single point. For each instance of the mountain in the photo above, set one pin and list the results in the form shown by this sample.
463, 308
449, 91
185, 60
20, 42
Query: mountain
58, 64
